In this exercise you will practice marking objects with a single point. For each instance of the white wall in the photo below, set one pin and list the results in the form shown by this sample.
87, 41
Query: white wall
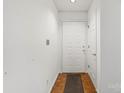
110, 46
92, 38
28, 62
73, 16
60, 37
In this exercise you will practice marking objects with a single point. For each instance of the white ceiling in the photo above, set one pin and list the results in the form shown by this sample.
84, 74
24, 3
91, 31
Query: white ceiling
66, 5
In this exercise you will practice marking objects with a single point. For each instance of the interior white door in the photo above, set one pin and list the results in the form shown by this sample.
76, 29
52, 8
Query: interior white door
74, 43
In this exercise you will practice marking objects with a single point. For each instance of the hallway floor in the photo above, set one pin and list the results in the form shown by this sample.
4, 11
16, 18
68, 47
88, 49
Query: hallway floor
69, 83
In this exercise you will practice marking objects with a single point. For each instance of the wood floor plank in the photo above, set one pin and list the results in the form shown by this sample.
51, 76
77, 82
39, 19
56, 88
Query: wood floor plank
61, 81
87, 84
73, 84
60, 84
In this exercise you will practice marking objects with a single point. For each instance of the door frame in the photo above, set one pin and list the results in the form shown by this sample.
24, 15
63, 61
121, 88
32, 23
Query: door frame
98, 44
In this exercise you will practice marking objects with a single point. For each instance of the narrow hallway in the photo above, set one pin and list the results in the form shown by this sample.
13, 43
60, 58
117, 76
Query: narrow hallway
50, 37
61, 46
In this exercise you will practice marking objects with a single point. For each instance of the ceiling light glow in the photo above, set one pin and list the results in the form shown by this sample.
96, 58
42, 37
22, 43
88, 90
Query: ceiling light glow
73, 1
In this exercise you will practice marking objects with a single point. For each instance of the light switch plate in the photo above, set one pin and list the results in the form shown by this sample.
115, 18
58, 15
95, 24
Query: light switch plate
47, 42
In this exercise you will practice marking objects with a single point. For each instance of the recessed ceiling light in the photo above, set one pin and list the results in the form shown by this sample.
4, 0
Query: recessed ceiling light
73, 1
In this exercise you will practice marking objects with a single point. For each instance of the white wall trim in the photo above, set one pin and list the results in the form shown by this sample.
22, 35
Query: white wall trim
98, 46
75, 21
97, 90
51, 87
73, 11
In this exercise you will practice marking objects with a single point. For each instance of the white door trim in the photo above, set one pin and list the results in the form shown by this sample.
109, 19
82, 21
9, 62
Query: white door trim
98, 46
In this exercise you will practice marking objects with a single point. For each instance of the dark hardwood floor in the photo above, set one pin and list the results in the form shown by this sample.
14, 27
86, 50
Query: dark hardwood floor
61, 82
73, 84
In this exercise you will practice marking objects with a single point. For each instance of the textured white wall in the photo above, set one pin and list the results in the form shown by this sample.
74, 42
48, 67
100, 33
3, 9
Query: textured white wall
110, 46
73, 16
91, 60
29, 63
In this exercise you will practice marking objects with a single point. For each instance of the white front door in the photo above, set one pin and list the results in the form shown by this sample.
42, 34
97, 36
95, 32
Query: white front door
74, 44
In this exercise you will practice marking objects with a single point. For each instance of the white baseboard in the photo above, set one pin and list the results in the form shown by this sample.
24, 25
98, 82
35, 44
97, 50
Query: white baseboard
51, 87
97, 90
